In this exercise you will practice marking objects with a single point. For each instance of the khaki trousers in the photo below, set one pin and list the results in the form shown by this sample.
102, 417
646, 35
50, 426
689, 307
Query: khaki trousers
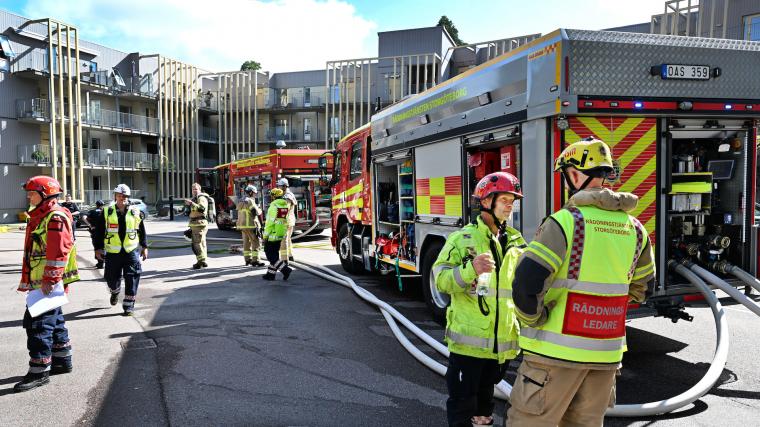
251, 244
286, 246
549, 396
199, 241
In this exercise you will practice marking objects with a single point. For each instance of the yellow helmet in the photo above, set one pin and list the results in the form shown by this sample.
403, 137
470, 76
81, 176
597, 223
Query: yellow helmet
276, 192
586, 155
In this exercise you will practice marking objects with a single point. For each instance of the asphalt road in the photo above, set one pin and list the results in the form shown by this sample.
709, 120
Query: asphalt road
220, 346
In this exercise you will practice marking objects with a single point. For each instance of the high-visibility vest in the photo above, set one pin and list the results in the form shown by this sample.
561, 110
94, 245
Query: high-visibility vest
113, 243
590, 287
38, 254
276, 225
469, 331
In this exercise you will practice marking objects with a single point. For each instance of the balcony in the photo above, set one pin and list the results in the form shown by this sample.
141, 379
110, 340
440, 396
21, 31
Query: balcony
38, 110
40, 155
277, 134
208, 134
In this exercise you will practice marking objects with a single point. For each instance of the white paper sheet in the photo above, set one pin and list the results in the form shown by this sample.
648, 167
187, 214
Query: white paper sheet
38, 303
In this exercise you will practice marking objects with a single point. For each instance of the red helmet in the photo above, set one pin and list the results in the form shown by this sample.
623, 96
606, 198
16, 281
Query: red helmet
498, 182
45, 185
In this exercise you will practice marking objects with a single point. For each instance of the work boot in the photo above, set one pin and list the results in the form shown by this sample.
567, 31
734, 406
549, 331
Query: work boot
114, 298
290, 258
31, 381
286, 272
128, 313
248, 262
99, 265
257, 264
61, 365
203, 264
268, 276
197, 265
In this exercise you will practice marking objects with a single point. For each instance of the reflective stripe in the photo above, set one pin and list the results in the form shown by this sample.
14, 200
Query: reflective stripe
545, 254
576, 246
503, 293
573, 342
458, 278
485, 343
438, 269
604, 289
643, 271
55, 263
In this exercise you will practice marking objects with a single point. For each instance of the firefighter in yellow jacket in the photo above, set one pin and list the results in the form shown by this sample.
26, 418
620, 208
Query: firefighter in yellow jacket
475, 267
49, 264
250, 226
199, 204
276, 229
571, 289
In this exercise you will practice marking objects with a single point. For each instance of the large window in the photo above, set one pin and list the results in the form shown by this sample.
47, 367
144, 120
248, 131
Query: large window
752, 27
356, 160
6, 54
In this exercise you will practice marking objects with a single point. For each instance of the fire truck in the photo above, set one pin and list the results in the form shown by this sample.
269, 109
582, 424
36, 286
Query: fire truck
225, 183
680, 114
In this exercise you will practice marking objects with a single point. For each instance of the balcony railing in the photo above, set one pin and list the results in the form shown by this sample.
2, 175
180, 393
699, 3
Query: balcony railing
39, 109
40, 154
275, 134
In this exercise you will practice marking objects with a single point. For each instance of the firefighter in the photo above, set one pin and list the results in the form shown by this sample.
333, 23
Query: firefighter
275, 229
249, 225
481, 326
286, 248
117, 237
49, 260
198, 224
571, 290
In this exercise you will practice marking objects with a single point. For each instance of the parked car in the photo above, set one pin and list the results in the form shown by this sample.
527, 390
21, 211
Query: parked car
141, 205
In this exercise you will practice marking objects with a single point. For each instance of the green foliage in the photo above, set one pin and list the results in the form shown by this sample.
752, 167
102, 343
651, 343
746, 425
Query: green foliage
250, 65
446, 23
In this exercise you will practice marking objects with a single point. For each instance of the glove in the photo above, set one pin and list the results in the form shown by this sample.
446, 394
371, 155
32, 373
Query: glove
188, 234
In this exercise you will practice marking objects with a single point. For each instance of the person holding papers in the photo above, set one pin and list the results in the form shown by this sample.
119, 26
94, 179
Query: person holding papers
49, 265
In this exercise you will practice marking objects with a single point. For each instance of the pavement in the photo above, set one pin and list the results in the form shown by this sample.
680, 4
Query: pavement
220, 346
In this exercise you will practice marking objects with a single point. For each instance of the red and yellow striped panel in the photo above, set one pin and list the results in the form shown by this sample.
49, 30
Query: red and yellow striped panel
634, 145
439, 196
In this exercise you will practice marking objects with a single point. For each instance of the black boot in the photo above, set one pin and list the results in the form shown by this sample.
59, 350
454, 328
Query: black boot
286, 272
257, 264
31, 381
114, 298
203, 264
61, 365
99, 264
197, 265
268, 276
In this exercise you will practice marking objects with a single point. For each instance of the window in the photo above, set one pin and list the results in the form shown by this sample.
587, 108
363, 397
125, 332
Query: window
752, 27
356, 160
307, 97
6, 54
338, 164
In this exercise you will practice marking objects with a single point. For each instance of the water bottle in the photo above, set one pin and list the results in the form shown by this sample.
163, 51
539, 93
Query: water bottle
484, 282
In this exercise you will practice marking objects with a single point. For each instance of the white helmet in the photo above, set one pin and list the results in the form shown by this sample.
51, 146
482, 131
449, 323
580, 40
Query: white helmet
251, 189
283, 181
281, 144
123, 189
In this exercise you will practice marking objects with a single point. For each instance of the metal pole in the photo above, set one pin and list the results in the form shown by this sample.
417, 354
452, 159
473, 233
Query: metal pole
255, 111
369, 91
51, 101
161, 122
171, 166
73, 113
340, 105
361, 93
725, 17
353, 103
62, 124
79, 111
219, 119
712, 17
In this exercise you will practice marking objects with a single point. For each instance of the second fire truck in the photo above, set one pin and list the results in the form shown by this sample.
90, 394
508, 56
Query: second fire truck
680, 114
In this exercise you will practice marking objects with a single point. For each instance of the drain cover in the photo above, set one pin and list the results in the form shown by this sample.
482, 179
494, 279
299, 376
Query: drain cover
140, 344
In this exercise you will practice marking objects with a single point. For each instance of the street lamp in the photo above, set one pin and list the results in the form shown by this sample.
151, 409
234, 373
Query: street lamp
109, 153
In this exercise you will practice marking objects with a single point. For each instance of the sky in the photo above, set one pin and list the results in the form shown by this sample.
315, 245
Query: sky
294, 35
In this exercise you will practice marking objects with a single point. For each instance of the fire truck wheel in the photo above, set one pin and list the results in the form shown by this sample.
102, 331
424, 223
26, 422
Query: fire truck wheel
344, 251
435, 299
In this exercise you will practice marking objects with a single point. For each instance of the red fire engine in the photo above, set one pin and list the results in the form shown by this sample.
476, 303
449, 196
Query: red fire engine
684, 137
301, 167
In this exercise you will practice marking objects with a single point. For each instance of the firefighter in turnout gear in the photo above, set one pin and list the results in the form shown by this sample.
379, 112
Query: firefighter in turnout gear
117, 236
571, 289
198, 224
250, 226
286, 247
49, 263
275, 229
475, 267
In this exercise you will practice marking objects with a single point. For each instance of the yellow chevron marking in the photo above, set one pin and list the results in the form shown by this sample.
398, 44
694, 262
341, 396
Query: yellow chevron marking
637, 178
637, 148
645, 201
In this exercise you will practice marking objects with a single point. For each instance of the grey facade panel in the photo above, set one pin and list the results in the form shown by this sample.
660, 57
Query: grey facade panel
14, 198
633, 28
298, 79
411, 42
14, 88
14, 134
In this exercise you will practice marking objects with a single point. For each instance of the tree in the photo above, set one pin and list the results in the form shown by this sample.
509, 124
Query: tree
446, 23
250, 65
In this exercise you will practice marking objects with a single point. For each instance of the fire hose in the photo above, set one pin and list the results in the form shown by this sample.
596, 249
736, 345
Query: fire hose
503, 389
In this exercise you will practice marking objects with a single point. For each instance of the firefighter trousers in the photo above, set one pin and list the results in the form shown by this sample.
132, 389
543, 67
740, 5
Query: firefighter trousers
251, 244
549, 395
470, 381
47, 340
286, 247
199, 241
127, 265
272, 251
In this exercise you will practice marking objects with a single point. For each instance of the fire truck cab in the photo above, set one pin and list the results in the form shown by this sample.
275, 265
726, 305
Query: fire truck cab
301, 167
680, 114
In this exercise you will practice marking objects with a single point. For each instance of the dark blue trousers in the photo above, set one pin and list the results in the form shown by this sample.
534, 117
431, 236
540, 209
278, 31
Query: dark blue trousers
47, 340
128, 266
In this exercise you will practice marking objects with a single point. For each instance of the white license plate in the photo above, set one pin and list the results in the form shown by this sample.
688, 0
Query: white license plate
688, 72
